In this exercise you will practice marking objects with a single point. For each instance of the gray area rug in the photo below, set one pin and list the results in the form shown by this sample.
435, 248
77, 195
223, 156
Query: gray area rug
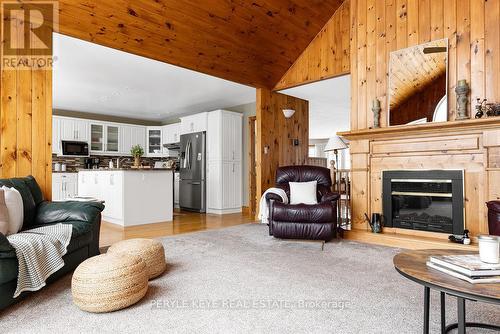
240, 280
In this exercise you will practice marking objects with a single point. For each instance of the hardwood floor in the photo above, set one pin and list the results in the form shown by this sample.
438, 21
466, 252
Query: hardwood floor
184, 222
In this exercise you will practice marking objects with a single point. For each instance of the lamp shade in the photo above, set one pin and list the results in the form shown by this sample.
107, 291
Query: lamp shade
335, 143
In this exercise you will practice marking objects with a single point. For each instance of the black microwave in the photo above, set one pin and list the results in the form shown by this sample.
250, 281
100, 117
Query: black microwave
75, 148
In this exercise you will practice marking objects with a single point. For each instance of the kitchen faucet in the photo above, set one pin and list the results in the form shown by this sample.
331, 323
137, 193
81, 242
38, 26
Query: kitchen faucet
118, 160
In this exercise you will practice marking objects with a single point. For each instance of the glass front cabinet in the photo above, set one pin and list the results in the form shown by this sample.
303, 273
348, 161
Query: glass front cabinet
112, 135
154, 145
104, 138
97, 138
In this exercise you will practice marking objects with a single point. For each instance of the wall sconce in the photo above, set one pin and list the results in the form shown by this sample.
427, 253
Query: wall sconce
288, 112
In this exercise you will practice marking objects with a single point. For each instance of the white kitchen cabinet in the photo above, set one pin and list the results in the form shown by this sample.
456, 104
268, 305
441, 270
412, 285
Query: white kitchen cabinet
194, 123
86, 184
105, 186
56, 135
139, 136
64, 186
224, 187
177, 180
131, 135
231, 186
154, 146
112, 138
214, 189
105, 138
131, 197
112, 182
171, 133
224, 146
97, 137
224, 138
73, 129
126, 139
231, 136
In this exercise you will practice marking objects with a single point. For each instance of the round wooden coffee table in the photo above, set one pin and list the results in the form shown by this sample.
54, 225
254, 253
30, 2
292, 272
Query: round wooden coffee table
412, 265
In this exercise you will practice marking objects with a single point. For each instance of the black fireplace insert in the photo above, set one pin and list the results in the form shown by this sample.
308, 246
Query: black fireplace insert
427, 200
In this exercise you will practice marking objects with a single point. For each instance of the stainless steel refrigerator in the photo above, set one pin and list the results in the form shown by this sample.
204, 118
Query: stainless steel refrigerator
192, 185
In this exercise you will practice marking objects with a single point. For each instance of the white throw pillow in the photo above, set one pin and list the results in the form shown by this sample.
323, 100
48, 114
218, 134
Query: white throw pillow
14, 203
303, 192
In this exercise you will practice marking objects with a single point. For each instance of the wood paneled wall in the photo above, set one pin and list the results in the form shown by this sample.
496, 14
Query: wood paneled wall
26, 123
326, 56
275, 135
381, 26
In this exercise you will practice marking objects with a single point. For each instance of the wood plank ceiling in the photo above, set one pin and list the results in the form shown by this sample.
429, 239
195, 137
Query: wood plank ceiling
249, 42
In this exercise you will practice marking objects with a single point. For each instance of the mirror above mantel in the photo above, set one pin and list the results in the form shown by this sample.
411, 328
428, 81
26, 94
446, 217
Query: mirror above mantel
418, 78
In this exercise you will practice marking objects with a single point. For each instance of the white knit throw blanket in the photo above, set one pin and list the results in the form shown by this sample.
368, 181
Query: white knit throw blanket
264, 208
39, 252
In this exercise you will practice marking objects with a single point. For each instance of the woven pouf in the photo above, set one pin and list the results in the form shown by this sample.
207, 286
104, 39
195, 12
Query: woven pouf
109, 282
151, 251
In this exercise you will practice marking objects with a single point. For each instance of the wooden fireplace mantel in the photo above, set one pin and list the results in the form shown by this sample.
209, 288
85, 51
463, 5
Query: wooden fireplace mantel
422, 129
471, 145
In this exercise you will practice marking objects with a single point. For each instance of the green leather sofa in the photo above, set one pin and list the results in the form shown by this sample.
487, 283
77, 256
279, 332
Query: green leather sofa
85, 218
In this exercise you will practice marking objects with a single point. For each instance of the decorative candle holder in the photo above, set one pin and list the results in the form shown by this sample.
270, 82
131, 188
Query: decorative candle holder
376, 109
462, 91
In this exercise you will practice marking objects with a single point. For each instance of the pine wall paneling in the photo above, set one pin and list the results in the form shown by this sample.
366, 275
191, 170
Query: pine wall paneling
276, 133
471, 26
326, 56
26, 122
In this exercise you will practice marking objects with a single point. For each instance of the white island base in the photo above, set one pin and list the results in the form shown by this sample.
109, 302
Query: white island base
131, 196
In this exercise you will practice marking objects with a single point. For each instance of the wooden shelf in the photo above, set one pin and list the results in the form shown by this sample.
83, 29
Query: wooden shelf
422, 129
405, 241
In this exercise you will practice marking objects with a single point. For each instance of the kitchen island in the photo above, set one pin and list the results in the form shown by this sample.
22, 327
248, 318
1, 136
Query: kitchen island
131, 196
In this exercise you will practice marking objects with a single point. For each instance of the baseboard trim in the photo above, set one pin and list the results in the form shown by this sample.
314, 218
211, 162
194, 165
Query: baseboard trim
224, 211
405, 241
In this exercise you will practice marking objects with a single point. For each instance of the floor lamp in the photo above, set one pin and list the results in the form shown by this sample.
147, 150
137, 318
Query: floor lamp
335, 144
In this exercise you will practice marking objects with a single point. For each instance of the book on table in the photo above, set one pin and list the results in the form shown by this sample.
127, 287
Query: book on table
467, 267
473, 280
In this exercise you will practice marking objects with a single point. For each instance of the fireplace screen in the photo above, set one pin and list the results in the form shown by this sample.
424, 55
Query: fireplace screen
427, 200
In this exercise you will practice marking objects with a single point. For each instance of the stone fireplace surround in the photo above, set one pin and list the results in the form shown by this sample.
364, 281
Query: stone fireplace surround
472, 146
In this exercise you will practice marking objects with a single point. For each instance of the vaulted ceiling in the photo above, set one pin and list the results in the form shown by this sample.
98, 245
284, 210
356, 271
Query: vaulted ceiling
252, 42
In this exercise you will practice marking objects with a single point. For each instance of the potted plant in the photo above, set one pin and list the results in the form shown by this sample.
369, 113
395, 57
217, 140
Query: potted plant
137, 152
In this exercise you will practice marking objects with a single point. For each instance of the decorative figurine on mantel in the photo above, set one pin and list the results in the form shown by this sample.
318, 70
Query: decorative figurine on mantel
488, 109
462, 91
480, 107
376, 113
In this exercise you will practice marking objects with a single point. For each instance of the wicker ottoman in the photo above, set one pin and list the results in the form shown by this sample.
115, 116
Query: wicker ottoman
151, 251
106, 283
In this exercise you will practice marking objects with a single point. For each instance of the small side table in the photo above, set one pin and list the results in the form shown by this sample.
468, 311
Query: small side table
413, 265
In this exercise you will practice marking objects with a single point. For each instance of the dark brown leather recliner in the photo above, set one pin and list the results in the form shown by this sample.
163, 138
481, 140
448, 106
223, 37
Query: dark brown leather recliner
494, 217
301, 221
